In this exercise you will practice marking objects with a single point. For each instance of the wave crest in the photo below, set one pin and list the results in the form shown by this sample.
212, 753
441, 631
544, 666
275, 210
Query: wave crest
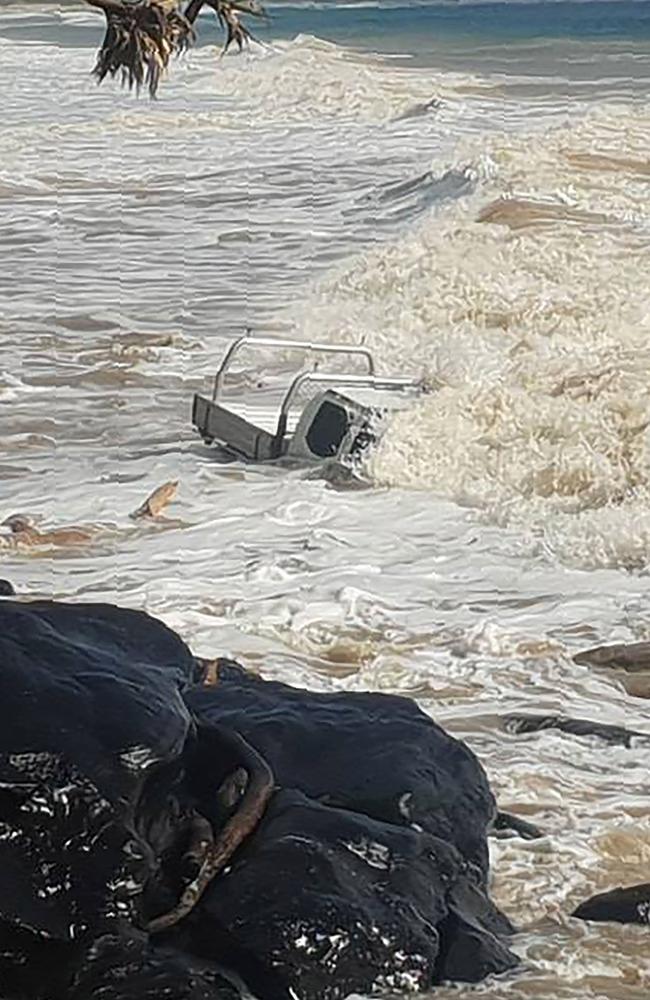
526, 305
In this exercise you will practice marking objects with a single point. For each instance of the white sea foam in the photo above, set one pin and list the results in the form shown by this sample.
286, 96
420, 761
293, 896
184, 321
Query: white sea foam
532, 329
309, 77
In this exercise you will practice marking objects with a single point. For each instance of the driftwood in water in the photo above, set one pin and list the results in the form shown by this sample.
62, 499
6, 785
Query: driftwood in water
25, 534
142, 35
157, 501
140, 40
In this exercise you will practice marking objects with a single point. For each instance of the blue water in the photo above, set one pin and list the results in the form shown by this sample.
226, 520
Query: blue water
587, 42
390, 21
339, 22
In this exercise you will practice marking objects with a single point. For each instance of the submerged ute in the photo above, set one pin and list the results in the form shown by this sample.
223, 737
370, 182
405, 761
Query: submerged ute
331, 426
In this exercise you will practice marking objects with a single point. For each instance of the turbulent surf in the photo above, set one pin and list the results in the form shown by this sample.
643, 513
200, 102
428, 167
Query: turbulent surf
463, 188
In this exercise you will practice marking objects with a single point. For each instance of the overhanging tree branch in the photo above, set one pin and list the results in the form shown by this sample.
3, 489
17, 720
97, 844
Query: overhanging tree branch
142, 35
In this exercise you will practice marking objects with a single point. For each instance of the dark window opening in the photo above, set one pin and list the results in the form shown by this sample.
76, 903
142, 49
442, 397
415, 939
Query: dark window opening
327, 430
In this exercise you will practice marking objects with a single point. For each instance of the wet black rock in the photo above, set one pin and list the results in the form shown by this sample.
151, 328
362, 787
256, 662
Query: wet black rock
381, 833
375, 754
92, 717
324, 902
507, 824
126, 966
369, 867
576, 727
6, 588
629, 905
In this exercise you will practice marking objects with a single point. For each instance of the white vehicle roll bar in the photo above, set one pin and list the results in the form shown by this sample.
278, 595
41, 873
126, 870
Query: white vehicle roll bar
371, 381
248, 340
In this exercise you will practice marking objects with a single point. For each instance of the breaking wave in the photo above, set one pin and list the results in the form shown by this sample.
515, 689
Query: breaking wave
525, 305
309, 78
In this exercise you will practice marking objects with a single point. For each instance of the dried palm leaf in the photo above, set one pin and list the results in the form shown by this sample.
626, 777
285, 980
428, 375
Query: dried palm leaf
142, 35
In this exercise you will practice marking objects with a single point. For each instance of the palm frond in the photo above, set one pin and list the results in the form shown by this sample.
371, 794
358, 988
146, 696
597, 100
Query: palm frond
142, 35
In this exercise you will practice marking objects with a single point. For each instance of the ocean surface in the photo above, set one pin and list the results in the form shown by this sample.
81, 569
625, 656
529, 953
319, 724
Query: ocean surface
465, 189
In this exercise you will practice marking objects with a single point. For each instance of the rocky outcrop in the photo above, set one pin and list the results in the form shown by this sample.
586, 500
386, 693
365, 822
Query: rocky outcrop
374, 754
126, 786
325, 902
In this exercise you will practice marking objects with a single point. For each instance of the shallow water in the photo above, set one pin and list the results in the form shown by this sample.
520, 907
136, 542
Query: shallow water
315, 189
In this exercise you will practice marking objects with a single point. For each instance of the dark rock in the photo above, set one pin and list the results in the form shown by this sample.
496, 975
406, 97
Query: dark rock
33, 967
507, 823
109, 758
133, 641
127, 967
371, 906
471, 945
6, 588
629, 663
95, 685
621, 906
630, 656
92, 716
576, 727
375, 754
